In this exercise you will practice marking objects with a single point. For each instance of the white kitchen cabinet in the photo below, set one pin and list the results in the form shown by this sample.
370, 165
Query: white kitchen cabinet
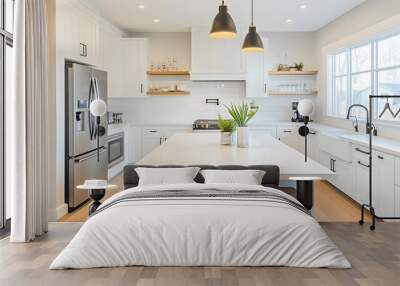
79, 29
291, 137
397, 201
216, 59
111, 60
397, 171
313, 147
256, 75
133, 151
383, 184
360, 192
154, 136
343, 179
134, 66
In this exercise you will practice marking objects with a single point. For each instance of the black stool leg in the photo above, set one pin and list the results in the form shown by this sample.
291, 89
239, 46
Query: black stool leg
96, 196
305, 193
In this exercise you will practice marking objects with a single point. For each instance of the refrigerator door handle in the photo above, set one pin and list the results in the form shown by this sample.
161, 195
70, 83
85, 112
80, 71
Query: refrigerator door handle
103, 149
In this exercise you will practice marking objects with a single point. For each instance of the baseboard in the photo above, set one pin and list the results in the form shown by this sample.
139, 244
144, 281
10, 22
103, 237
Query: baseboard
57, 213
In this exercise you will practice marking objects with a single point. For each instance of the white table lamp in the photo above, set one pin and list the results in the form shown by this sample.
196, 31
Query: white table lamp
305, 109
98, 108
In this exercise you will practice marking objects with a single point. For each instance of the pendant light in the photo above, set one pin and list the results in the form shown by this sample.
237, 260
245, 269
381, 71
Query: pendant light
253, 41
223, 26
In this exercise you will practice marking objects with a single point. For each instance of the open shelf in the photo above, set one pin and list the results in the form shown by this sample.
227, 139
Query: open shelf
293, 72
168, 93
283, 93
183, 72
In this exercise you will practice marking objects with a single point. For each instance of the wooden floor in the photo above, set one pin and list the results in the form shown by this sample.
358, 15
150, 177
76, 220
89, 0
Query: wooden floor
375, 258
330, 205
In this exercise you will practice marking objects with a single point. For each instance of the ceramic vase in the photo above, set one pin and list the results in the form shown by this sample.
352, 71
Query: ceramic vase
226, 138
242, 137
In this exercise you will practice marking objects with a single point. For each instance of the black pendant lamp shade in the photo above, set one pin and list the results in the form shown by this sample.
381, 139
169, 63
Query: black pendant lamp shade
223, 26
253, 41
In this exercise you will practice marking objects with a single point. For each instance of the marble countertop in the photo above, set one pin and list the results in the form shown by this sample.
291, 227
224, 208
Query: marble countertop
205, 148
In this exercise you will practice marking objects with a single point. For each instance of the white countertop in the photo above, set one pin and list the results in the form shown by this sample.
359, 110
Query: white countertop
204, 148
378, 143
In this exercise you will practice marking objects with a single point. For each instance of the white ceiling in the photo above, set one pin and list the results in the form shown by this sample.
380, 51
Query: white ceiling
180, 15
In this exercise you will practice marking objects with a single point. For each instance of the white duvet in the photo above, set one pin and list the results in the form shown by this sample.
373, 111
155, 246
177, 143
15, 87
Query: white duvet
202, 232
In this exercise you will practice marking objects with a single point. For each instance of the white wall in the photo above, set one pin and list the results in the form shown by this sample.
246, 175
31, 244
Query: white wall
365, 21
184, 110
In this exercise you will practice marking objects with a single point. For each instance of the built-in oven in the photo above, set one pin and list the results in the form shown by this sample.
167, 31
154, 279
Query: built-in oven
116, 149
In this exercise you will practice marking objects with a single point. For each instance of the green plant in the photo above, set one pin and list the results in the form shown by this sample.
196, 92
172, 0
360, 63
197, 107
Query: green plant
226, 125
299, 66
242, 113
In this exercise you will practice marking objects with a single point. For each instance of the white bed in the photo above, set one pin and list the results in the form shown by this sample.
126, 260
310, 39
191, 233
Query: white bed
192, 231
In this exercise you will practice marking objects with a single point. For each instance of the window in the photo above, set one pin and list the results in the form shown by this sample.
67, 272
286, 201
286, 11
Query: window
356, 72
6, 62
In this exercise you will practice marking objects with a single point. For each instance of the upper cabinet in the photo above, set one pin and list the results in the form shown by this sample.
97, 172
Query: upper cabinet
216, 59
134, 66
79, 31
256, 76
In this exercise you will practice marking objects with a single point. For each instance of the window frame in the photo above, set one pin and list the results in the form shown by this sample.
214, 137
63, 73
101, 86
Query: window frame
331, 77
6, 39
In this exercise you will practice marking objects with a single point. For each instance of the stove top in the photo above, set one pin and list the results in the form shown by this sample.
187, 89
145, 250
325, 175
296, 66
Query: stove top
205, 124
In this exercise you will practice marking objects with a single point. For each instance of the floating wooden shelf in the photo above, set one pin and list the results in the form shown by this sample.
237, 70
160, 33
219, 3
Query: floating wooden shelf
168, 72
293, 72
292, 93
168, 93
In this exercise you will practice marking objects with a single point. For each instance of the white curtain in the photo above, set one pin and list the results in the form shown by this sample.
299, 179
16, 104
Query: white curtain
27, 123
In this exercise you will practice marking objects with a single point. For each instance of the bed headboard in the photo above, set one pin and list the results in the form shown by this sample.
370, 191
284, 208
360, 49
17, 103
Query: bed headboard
271, 177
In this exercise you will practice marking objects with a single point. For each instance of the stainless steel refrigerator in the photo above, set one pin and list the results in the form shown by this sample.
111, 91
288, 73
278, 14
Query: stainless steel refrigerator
83, 85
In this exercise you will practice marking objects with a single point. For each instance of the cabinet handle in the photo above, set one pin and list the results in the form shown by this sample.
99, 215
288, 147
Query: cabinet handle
82, 45
312, 133
265, 88
362, 151
381, 157
160, 140
362, 164
153, 131
333, 165
141, 88
86, 54
287, 131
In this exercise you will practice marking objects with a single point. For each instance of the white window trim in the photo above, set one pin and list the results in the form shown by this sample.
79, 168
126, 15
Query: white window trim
331, 76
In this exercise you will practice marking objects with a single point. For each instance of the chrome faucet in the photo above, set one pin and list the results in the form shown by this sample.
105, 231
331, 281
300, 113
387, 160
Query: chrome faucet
368, 126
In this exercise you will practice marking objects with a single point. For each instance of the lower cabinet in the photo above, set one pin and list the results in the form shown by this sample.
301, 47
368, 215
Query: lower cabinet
290, 136
397, 201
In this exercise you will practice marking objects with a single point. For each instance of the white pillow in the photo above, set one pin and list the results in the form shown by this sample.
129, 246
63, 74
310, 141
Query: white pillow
247, 177
166, 176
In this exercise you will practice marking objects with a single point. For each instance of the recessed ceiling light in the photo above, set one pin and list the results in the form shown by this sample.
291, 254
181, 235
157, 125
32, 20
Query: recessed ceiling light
289, 21
304, 6
141, 6
156, 20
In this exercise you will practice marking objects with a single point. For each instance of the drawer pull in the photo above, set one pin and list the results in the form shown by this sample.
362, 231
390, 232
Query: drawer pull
362, 151
287, 131
153, 131
381, 157
362, 164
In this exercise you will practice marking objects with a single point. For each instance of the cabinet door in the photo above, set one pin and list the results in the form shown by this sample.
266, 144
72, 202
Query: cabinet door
134, 57
149, 144
111, 61
383, 184
88, 35
68, 29
397, 201
325, 159
360, 192
343, 177
397, 171
256, 85
290, 137
312, 149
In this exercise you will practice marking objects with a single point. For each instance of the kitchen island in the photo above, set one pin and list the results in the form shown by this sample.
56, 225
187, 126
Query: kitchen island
205, 149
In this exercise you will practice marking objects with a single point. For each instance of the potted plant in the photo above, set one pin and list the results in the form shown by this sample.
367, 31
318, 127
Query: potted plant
242, 114
227, 127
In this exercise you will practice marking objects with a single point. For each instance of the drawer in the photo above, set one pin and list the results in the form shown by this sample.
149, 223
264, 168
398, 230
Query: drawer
397, 171
360, 153
287, 132
151, 132
336, 147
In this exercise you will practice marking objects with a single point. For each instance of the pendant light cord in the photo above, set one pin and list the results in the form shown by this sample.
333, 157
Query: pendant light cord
252, 12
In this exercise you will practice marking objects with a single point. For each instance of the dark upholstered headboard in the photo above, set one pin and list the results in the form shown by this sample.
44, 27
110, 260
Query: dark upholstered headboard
271, 178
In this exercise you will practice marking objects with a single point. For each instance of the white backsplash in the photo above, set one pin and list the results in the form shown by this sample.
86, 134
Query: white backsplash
186, 109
